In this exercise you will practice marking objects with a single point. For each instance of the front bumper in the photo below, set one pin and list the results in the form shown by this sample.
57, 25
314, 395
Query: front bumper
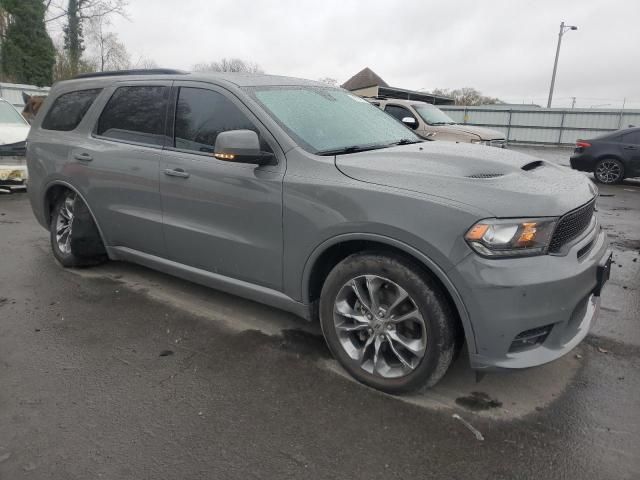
506, 298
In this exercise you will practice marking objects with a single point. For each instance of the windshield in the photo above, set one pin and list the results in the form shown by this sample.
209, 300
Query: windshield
433, 115
8, 114
326, 120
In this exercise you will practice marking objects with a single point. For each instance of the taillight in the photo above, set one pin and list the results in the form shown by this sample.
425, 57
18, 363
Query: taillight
582, 143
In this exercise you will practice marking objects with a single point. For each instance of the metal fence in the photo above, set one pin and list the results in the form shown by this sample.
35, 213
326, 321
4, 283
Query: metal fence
12, 92
550, 126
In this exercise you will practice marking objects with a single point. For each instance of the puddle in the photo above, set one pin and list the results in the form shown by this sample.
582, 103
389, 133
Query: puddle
478, 401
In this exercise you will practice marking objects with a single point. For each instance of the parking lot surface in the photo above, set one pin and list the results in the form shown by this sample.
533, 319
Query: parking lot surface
125, 373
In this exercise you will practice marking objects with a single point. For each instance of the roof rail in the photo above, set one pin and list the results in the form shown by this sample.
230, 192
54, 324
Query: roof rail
138, 71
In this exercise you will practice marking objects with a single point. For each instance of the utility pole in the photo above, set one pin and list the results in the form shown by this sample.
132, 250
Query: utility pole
563, 30
573, 102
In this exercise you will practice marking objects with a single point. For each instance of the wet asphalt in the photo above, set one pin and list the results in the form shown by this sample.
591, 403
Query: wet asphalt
119, 372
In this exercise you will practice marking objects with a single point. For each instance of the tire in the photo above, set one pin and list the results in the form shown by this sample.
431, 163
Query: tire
609, 171
75, 240
414, 349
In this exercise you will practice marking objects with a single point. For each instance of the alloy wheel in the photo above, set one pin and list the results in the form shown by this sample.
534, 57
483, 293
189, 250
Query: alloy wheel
379, 326
608, 171
64, 225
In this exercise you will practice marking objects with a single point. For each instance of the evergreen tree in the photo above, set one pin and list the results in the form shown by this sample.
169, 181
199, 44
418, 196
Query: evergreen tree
27, 54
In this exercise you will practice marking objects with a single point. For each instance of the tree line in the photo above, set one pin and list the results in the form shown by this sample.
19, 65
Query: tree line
29, 55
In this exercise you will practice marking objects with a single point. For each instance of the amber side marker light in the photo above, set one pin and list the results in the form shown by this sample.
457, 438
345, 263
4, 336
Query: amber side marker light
477, 232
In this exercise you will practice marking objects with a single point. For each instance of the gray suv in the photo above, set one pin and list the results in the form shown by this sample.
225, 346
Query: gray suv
310, 199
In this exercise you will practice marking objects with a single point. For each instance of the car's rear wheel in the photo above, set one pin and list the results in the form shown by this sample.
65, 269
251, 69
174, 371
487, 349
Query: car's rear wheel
609, 171
387, 323
75, 240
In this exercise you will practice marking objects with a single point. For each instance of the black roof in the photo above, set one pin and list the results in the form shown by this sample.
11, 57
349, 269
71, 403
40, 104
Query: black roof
137, 71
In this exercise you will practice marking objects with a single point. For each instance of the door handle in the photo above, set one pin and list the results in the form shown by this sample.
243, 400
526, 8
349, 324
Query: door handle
176, 172
630, 147
83, 157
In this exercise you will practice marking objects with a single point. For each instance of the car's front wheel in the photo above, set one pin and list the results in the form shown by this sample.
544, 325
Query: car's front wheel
388, 323
609, 171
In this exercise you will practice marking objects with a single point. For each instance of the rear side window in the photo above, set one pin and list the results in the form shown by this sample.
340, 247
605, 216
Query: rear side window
68, 110
201, 115
135, 114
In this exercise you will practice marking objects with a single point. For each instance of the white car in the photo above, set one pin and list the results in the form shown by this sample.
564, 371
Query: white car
13, 135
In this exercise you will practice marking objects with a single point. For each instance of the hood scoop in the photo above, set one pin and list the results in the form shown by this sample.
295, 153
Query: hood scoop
485, 175
532, 165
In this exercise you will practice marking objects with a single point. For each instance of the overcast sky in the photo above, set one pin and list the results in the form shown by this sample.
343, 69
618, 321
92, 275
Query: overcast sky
503, 48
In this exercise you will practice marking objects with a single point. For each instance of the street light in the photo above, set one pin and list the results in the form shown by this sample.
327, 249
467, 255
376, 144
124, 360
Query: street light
563, 29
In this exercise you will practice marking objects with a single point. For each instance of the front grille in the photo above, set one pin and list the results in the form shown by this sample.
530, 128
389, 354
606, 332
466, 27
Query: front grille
572, 225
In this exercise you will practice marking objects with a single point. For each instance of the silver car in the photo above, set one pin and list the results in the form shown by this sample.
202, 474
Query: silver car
428, 121
310, 199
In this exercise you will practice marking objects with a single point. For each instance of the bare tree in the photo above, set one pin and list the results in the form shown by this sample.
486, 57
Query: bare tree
144, 62
77, 13
329, 81
228, 65
467, 96
111, 53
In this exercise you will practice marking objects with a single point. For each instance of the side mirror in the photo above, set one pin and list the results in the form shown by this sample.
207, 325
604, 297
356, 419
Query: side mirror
241, 146
410, 122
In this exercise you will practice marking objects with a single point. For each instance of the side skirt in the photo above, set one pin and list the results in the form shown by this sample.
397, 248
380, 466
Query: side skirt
233, 286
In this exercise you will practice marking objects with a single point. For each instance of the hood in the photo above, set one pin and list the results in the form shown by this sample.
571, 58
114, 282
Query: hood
501, 182
483, 133
13, 133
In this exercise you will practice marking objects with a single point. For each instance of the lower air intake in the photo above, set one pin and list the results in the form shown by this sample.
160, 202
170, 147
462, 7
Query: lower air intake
530, 338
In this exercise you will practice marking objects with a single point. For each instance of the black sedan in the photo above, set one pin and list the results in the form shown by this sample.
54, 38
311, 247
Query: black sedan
611, 157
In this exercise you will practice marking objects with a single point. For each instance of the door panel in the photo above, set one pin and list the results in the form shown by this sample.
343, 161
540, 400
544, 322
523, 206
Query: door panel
124, 193
630, 149
219, 216
120, 171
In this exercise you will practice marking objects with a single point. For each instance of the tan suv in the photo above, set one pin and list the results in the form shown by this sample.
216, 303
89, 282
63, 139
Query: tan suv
430, 122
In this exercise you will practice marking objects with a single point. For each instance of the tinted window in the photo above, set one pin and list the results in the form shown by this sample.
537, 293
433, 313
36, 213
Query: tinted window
398, 112
135, 114
68, 109
631, 137
201, 115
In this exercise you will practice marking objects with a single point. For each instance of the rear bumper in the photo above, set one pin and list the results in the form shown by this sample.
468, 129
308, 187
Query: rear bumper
582, 162
506, 298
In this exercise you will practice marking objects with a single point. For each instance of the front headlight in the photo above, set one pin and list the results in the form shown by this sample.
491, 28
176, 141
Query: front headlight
478, 141
498, 238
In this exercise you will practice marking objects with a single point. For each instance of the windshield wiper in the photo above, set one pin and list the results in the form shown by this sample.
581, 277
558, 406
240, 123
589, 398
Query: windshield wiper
351, 149
406, 141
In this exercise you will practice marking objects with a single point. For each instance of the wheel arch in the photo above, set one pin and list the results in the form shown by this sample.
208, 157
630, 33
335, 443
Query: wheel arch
332, 251
53, 190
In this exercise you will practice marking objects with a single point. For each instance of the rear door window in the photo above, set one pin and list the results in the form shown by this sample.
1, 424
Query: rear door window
201, 115
68, 110
135, 114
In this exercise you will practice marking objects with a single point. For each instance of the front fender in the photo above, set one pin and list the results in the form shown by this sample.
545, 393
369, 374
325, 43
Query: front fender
427, 262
